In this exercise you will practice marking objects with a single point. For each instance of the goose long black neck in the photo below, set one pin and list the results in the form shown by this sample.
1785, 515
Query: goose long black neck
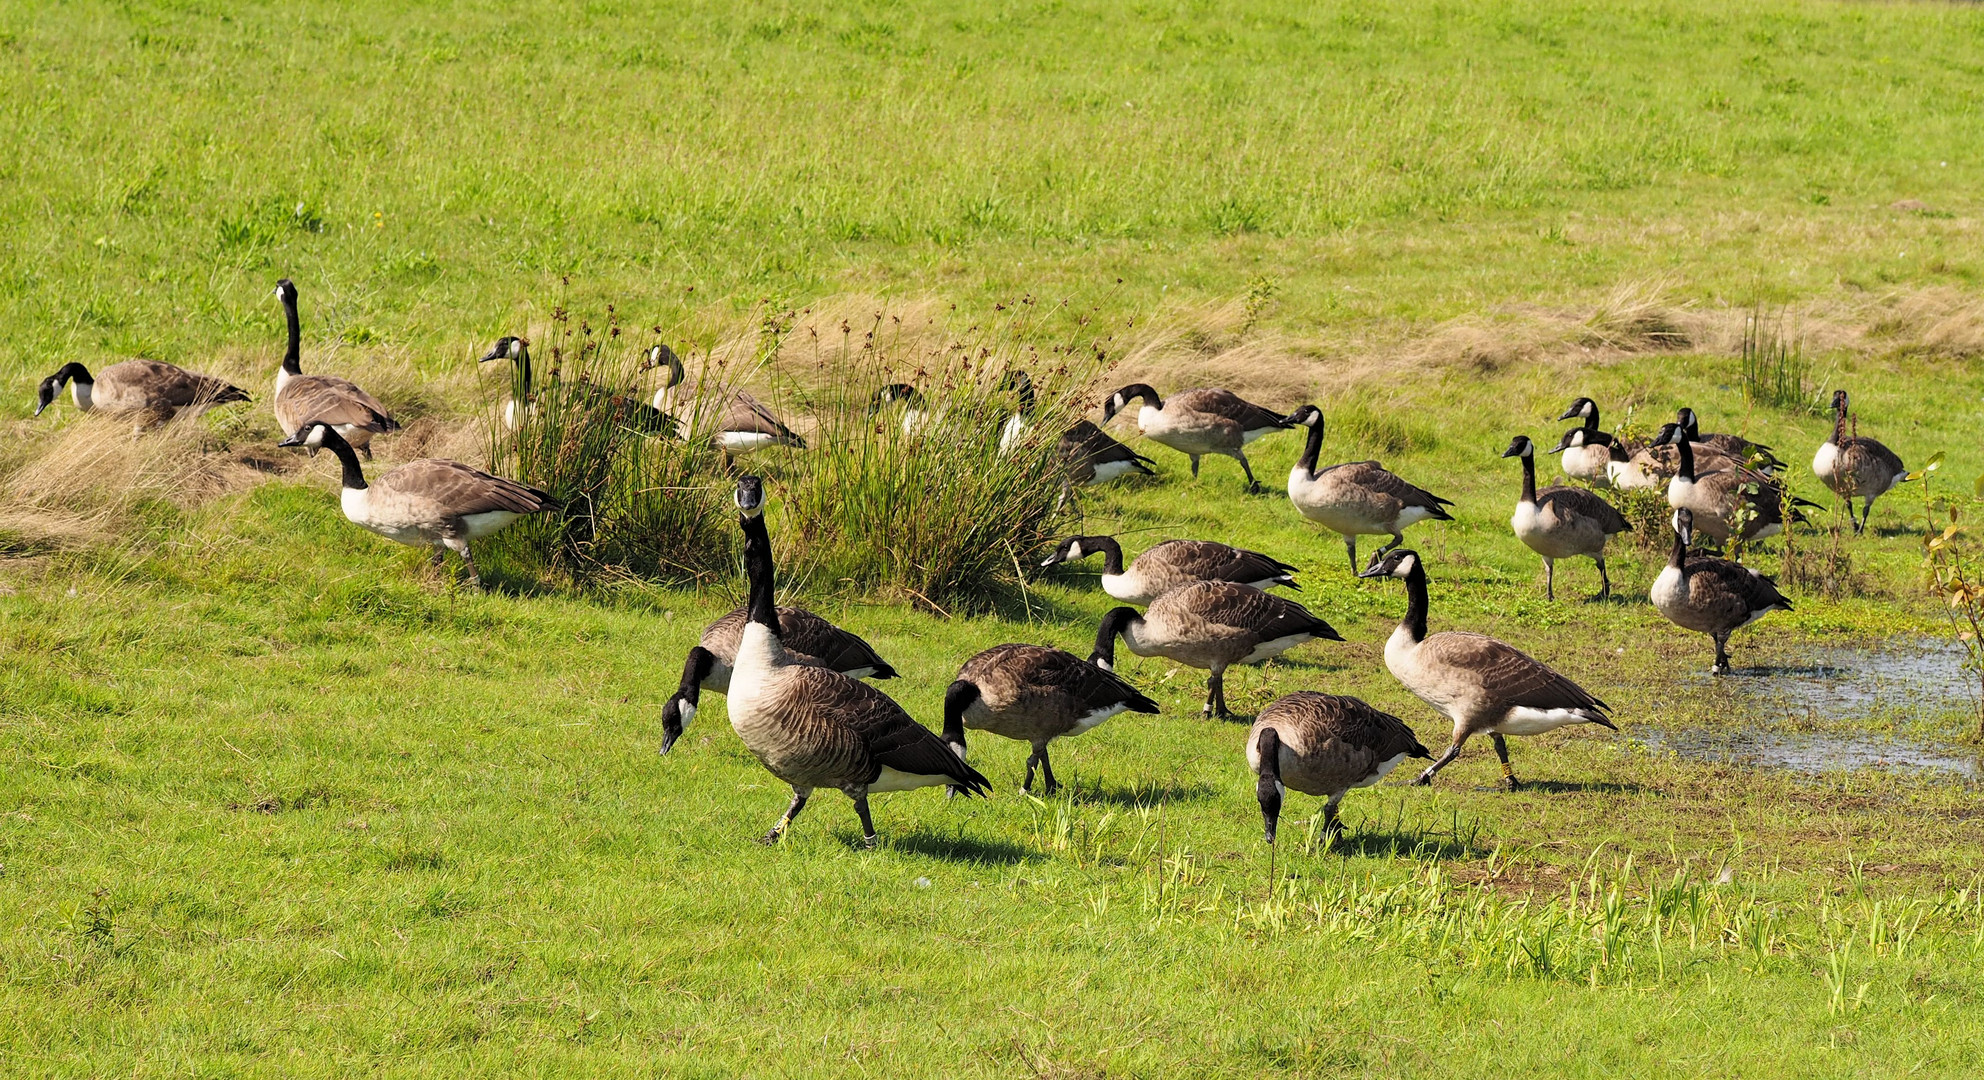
1112, 627
1686, 449
292, 354
1678, 556
1528, 478
1415, 601
1112, 553
1841, 427
1591, 419
1312, 449
1023, 389
758, 571
520, 376
74, 372
354, 475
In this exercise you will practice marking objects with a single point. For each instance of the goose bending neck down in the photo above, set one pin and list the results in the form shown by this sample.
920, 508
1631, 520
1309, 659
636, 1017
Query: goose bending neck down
812, 727
431, 502
1481, 684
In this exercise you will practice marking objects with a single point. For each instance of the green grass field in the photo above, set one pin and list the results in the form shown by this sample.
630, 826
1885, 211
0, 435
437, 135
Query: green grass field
277, 800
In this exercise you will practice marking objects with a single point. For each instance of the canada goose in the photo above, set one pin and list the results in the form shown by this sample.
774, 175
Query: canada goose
1561, 522
637, 416
815, 728
916, 414
1653, 465
431, 502
1853, 466
1093, 456
1211, 625
1198, 422
1711, 596
302, 398
1357, 498
1588, 452
1168, 565
1724, 496
809, 640
1479, 683
1015, 426
672, 374
1034, 694
155, 391
1735, 447
1323, 744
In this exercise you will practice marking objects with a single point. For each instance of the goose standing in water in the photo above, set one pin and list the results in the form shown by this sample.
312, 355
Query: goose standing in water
1035, 695
1854, 466
1561, 522
809, 640
1711, 596
1481, 684
1172, 563
814, 728
1357, 498
1211, 625
1199, 422
1323, 744
302, 398
432, 502
155, 391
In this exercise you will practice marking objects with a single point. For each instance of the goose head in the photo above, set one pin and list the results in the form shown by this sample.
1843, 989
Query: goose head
513, 349
314, 435
44, 395
1579, 409
1520, 446
1306, 416
893, 394
1398, 563
1071, 549
663, 357
1670, 435
1121, 399
1572, 439
675, 717
285, 291
1684, 526
1839, 402
750, 496
1689, 422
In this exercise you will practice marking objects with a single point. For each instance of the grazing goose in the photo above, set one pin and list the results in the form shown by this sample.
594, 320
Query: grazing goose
1034, 694
637, 416
1198, 422
1589, 453
815, 728
1166, 566
1479, 683
1723, 496
809, 640
1092, 456
431, 502
1561, 522
1357, 498
155, 391
302, 398
1211, 625
1853, 466
1323, 744
1735, 447
915, 413
1711, 596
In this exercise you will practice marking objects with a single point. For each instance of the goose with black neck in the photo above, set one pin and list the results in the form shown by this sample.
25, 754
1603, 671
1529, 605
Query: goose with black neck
301, 398
1561, 522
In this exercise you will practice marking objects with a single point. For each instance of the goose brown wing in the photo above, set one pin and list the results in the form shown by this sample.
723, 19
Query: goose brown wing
1509, 674
334, 401
1375, 477
883, 734
464, 491
170, 383
1353, 721
1212, 561
1085, 439
1263, 615
1746, 589
748, 414
826, 644
1060, 672
1581, 503
1871, 449
1227, 404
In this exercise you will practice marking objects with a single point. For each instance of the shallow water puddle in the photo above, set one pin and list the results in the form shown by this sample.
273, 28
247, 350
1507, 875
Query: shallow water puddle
1790, 715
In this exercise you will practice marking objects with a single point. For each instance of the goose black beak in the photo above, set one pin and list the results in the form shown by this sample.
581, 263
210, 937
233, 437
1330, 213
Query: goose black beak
1374, 570
493, 354
293, 440
1569, 414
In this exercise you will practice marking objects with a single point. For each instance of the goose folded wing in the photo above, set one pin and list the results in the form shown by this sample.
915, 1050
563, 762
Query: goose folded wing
889, 736
833, 647
1228, 405
1509, 674
1873, 451
748, 414
1578, 502
1264, 615
1375, 477
1219, 562
463, 490
335, 401
1085, 438
1085, 683
1358, 722
172, 384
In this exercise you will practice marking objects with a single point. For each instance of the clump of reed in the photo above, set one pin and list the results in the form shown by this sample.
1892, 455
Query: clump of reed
923, 497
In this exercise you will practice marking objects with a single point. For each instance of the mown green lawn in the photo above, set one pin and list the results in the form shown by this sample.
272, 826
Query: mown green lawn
275, 800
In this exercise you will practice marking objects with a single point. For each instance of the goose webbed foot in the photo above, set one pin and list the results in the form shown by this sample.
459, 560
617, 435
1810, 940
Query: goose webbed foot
791, 812
1509, 781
